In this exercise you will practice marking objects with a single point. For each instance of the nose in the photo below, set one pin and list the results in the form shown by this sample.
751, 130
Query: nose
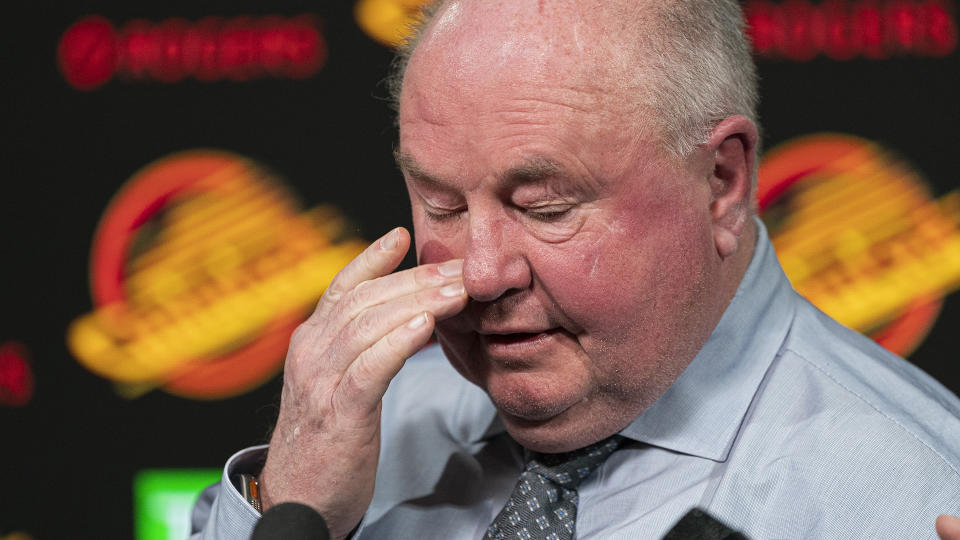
494, 262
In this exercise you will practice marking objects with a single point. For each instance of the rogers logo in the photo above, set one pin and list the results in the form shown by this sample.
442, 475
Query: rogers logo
845, 29
797, 30
92, 51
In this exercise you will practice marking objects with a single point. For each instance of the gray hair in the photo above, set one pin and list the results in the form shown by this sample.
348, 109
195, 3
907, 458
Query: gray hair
398, 68
692, 71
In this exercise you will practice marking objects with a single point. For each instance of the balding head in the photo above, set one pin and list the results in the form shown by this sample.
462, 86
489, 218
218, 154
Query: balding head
679, 67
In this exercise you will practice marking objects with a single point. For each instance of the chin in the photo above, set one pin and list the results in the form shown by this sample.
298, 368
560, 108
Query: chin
532, 395
552, 427
562, 433
547, 410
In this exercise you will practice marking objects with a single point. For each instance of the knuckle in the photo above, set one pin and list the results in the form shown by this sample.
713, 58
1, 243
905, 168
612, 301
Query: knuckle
430, 298
332, 296
299, 335
364, 372
334, 292
365, 325
306, 334
392, 341
362, 292
359, 297
307, 345
355, 381
423, 276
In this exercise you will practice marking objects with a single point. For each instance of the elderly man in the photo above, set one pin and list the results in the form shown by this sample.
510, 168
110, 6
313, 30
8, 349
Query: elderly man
617, 341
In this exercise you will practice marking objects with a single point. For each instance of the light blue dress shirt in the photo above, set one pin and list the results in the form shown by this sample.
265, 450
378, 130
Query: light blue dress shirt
785, 425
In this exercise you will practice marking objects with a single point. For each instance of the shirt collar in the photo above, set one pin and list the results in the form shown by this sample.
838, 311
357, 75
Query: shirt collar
701, 413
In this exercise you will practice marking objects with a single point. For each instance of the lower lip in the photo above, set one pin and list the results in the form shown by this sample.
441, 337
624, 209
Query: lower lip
512, 344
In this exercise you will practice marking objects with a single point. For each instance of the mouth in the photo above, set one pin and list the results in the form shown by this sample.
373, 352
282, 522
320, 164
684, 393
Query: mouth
513, 343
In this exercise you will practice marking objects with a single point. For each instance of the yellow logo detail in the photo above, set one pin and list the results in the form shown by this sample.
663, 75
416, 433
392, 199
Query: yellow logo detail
226, 258
388, 21
858, 233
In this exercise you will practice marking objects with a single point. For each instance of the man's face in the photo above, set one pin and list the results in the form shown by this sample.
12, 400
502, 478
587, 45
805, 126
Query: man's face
588, 257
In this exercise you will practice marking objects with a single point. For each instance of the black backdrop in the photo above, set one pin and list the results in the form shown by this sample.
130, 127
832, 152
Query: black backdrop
69, 455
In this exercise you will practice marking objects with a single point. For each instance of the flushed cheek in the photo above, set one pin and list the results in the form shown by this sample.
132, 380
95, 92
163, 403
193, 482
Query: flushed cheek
587, 286
629, 277
434, 251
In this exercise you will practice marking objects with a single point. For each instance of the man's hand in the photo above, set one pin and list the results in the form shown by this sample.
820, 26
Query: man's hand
948, 527
325, 447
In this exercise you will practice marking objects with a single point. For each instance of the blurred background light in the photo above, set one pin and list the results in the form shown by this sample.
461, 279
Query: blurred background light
801, 30
163, 499
201, 268
91, 51
16, 376
388, 21
860, 235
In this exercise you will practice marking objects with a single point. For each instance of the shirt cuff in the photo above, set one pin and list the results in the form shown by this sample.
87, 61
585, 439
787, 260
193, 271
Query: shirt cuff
231, 516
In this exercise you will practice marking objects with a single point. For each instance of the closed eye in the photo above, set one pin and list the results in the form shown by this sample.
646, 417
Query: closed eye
440, 215
548, 213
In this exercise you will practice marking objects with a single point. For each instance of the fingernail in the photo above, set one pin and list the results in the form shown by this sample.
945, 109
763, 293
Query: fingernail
417, 321
391, 240
454, 289
451, 268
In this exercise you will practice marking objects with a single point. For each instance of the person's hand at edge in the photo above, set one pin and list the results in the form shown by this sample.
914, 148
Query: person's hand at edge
326, 444
948, 527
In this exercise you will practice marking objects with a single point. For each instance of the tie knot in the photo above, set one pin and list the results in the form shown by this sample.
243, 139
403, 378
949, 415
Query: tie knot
570, 468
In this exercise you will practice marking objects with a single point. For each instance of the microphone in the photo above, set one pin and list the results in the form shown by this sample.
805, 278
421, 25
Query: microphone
697, 524
291, 521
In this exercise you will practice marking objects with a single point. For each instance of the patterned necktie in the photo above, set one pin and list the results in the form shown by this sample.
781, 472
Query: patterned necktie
543, 505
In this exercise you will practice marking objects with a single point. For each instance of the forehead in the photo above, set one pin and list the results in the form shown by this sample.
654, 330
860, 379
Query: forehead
512, 68
559, 48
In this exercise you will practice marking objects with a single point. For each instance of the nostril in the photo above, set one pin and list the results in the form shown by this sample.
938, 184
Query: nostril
487, 280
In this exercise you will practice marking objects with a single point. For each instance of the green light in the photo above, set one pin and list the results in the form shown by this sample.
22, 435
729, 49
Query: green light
163, 499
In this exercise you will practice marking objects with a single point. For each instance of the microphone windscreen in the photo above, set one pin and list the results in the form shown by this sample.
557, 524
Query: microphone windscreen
291, 521
699, 525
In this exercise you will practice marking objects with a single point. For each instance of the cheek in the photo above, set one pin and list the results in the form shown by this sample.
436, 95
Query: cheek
436, 244
588, 282
635, 273
433, 251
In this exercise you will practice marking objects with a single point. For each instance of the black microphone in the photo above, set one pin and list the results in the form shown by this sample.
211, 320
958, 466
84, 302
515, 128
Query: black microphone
699, 525
291, 521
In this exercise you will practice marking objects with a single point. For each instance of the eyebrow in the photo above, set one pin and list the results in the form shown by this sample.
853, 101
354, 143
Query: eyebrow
534, 169
531, 170
410, 166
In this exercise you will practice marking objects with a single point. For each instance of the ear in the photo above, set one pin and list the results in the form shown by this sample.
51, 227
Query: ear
731, 150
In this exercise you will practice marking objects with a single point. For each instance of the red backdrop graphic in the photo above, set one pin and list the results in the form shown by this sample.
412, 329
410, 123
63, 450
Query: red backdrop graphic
91, 51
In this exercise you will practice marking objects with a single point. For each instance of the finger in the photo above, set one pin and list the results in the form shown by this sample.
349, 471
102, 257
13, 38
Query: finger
340, 340
372, 324
379, 259
364, 383
948, 527
369, 294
